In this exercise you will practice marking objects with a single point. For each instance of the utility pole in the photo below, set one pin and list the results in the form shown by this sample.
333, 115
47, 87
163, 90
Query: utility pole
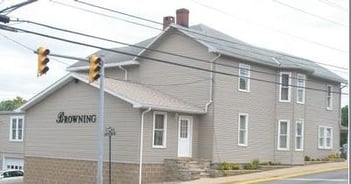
100, 143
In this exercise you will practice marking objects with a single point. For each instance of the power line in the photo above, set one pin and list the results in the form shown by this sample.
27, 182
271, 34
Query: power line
270, 28
146, 48
104, 15
220, 39
267, 27
28, 48
153, 59
334, 5
310, 14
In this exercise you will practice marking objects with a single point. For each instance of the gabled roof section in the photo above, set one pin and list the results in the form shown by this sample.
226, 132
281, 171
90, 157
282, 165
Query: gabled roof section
138, 95
219, 42
113, 59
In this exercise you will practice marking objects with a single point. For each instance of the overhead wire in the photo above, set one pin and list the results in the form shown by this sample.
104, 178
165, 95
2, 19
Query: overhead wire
209, 36
147, 48
28, 48
308, 13
151, 58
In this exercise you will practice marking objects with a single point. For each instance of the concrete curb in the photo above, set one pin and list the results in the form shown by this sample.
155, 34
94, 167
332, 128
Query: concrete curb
272, 174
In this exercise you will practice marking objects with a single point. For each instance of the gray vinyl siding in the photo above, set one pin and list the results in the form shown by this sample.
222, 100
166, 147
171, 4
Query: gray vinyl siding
206, 138
7, 146
157, 155
318, 115
258, 104
46, 138
188, 84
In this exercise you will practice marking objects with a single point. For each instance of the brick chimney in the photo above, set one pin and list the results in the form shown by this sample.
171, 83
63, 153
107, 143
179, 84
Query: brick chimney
183, 17
167, 21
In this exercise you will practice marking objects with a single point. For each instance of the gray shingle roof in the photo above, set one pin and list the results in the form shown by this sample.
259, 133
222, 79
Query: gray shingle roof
138, 95
112, 57
219, 42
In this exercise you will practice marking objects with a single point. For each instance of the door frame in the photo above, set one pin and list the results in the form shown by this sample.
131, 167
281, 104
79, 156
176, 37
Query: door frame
190, 133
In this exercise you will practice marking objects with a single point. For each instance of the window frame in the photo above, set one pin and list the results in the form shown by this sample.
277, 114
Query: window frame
246, 78
246, 131
287, 136
324, 146
302, 87
329, 98
16, 139
299, 136
281, 86
164, 136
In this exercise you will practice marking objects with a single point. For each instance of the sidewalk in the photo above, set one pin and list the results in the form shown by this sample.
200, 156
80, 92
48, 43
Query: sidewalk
272, 174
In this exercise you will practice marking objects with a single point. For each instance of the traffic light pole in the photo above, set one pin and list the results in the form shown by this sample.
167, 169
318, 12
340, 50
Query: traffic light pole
100, 143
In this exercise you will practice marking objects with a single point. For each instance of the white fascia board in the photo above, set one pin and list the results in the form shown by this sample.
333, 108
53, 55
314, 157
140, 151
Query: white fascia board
61, 82
170, 109
108, 65
151, 43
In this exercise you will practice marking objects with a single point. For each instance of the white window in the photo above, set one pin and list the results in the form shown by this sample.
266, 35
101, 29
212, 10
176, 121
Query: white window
285, 84
243, 129
283, 135
299, 131
16, 128
300, 88
325, 137
244, 77
329, 97
159, 130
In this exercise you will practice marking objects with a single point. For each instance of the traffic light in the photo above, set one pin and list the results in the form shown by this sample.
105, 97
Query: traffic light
42, 60
94, 68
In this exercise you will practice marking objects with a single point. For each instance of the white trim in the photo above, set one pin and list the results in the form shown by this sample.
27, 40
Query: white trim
10, 129
247, 67
246, 130
108, 65
302, 134
303, 77
324, 146
331, 97
289, 87
164, 140
287, 136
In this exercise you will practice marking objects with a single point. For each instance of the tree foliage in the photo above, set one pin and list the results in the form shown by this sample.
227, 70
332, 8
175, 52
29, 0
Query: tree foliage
10, 105
344, 115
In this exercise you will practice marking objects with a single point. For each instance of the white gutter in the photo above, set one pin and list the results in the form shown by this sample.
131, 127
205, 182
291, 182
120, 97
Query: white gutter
211, 83
125, 72
142, 143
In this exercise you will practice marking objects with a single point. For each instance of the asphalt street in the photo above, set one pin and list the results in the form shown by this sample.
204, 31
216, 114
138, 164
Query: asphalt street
335, 177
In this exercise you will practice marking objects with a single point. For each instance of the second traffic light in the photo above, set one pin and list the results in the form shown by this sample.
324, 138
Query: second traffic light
94, 68
42, 60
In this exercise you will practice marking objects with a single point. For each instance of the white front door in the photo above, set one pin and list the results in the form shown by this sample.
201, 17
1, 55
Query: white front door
185, 133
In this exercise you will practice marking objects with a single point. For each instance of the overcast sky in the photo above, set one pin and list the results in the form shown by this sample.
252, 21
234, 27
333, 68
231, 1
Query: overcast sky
312, 29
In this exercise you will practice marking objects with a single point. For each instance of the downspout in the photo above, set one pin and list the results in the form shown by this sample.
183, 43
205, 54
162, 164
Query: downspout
276, 96
125, 72
142, 142
211, 82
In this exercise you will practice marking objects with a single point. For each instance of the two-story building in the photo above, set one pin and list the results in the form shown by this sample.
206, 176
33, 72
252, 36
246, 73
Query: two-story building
190, 92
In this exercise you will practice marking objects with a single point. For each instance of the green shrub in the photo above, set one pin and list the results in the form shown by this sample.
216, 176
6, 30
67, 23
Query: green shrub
307, 158
228, 166
333, 157
253, 165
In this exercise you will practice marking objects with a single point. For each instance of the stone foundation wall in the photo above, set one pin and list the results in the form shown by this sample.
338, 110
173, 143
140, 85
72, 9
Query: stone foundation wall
65, 171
